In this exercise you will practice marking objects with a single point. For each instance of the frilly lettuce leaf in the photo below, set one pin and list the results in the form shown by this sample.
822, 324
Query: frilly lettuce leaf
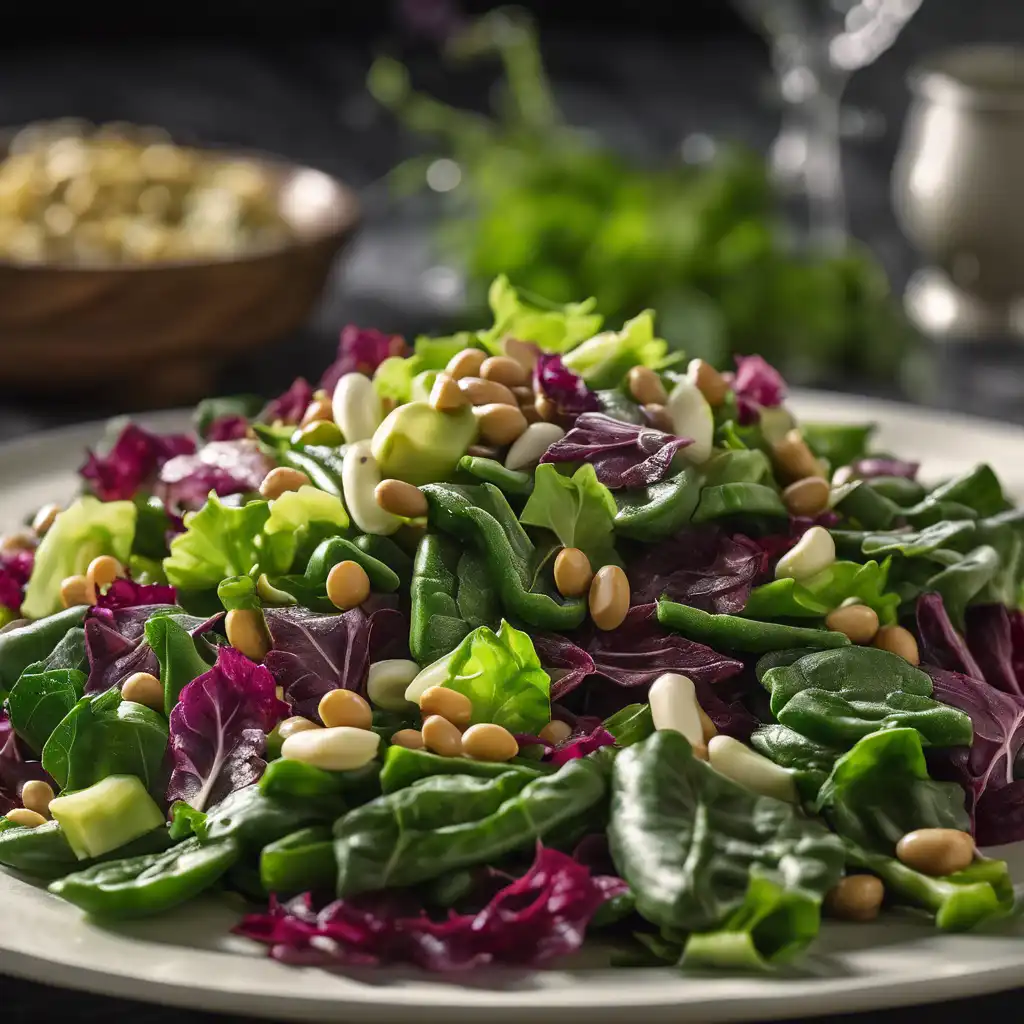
605, 359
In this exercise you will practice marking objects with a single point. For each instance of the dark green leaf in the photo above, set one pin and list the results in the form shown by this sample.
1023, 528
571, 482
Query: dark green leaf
839, 443
300, 862
40, 700
809, 761
182, 658
403, 767
511, 481
632, 724
739, 499
29, 644
660, 510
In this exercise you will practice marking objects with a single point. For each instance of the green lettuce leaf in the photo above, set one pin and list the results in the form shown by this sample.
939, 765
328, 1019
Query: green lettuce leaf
40, 699
809, 761
604, 360
299, 521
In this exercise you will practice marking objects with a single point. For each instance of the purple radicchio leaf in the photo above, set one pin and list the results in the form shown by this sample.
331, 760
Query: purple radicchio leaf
228, 428
132, 462
565, 389
126, 593
756, 385
622, 454
941, 644
15, 569
872, 467
361, 350
990, 637
580, 746
218, 730
225, 467
291, 405
531, 921
566, 663
15, 771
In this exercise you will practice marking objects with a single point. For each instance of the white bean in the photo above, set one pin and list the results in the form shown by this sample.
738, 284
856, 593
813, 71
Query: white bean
357, 407
692, 417
435, 674
360, 475
335, 750
814, 552
531, 444
749, 769
387, 681
673, 701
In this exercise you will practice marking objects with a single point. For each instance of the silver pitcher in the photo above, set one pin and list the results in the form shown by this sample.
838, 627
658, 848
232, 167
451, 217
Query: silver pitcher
958, 192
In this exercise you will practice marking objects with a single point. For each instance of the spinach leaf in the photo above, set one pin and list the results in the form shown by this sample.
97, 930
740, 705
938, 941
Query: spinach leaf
838, 697
302, 861
70, 653
511, 481
655, 512
914, 544
289, 780
865, 507
632, 724
40, 700
35, 642
403, 767
960, 584
880, 790
839, 443
978, 488
810, 762
182, 657
738, 499
905, 493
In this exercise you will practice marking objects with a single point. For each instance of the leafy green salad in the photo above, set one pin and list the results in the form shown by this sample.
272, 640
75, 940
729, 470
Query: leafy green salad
488, 644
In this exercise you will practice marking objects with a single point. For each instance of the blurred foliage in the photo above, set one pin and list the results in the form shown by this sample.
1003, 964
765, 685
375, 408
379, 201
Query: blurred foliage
565, 217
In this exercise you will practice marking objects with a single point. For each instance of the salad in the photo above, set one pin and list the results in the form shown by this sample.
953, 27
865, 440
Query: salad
496, 642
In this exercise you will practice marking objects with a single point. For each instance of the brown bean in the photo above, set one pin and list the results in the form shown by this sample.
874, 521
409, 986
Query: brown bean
524, 394
857, 621
318, 409
401, 499
500, 424
707, 727
709, 382
36, 796
446, 395
411, 739
700, 751
344, 707
282, 479
572, 572
290, 726
793, 459
855, 898
348, 586
898, 640
441, 737
102, 571
658, 417
74, 591
24, 818
247, 632
20, 540
807, 497
450, 704
645, 386
936, 851
505, 370
609, 597
555, 732
489, 742
546, 409
483, 451
44, 519
486, 392
530, 414
523, 352
466, 363
144, 688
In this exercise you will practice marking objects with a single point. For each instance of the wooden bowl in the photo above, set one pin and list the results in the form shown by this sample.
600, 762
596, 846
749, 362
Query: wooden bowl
161, 331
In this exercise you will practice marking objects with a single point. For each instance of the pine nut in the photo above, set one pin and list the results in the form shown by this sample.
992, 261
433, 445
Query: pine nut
546, 409
486, 392
504, 370
813, 552
293, 725
898, 640
446, 395
318, 409
74, 591
489, 742
247, 633
857, 621
282, 479
441, 737
807, 497
411, 739
387, 681
609, 597
793, 459
450, 704
692, 417
645, 386
523, 352
658, 418
102, 571
749, 769
673, 701
936, 851
44, 519
340, 749
534, 441
555, 733
20, 540
500, 424
573, 574
356, 407
25, 818
36, 796
360, 475
711, 384
348, 586
401, 499
466, 363
344, 707
144, 688
855, 898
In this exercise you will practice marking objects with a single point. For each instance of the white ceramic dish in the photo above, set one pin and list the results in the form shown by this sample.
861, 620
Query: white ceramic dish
189, 959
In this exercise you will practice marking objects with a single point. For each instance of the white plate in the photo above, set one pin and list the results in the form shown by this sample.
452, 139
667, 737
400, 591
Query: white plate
188, 958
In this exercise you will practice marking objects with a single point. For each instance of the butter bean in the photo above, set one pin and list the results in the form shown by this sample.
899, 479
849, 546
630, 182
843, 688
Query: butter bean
749, 769
36, 796
450, 704
807, 497
505, 370
692, 417
293, 725
500, 424
855, 898
411, 739
711, 384
247, 632
609, 597
281, 480
489, 742
441, 737
486, 392
645, 386
857, 621
793, 459
674, 706
466, 363
555, 733
344, 707
936, 851
387, 682
446, 395
25, 818
144, 688
348, 586
340, 749
898, 640
534, 441
360, 475
356, 407
573, 574
401, 499
813, 552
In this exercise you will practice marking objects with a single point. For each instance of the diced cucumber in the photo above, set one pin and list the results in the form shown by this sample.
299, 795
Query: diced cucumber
106, 815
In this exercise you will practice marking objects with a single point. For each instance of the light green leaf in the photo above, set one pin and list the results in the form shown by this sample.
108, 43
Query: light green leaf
605, 359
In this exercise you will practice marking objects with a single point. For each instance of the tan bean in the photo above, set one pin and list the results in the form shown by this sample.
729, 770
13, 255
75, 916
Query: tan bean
290, 726
555, 732
609, 597
855, 898
505, 370
466, 363
523, 352
486, 392
857, 621
102, 571
708, 381
793, 459
44, 519
645, 386
707, 727
807, 497
489, 742
344, 707
700, 751
401, 499
348, 586
446, 395
144, 688
318, 409
573, 573
450, 704
500, 424
898, 640
530, 414
20, 540
483, 451
36, 796
74, 591
25, 818
546, 409
659, 418
524, 394
441, 737
282, 479
936, 851
411, 739
247, 632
